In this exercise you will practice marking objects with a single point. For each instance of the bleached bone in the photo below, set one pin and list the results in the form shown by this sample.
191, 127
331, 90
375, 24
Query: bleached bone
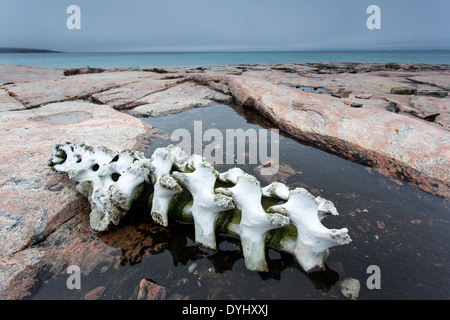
110, 180
276, 189
206, 204
113, 180
231, 175
326, 208
313, 238
165, 186
255, 221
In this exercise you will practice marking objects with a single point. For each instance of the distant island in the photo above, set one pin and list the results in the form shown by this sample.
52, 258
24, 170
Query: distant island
26, 50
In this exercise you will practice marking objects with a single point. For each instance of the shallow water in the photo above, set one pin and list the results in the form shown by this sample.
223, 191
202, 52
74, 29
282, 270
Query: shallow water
307, 88
403, 230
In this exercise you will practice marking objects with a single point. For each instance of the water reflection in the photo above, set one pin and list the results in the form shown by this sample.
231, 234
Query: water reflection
139, 237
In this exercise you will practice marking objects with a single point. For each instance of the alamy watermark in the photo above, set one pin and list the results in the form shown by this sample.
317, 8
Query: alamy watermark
374, 21
374, 280
74, 280
236, 147
74, 20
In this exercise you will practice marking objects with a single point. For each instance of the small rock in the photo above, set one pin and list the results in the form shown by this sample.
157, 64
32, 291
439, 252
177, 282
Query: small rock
363, 96
350, 288
157, 70
433, 93
393, 107
380, 224
134, 69
356, 105
341, 93
149, 290
403, 90
274, 171
192, 267
95, 294
85, 70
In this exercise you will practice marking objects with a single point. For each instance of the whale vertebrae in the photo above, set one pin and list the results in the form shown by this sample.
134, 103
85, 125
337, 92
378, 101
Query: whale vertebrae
190, 189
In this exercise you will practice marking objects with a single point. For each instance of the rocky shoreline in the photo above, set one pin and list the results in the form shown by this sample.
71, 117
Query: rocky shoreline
393, 117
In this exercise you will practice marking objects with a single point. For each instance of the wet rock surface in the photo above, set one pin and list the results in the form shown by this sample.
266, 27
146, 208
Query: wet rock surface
149, 290
350, 288
44, 224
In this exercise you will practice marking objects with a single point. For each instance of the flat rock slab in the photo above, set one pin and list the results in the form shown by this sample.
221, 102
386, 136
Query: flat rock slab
11, 74
36, 202
8, 102
133, 94
37, 93
184, 96
439, 80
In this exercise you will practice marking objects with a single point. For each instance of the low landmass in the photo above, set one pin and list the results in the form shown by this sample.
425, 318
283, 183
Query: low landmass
26, 50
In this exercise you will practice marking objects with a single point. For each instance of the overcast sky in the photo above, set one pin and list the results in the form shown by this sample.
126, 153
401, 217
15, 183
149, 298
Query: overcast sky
198, 25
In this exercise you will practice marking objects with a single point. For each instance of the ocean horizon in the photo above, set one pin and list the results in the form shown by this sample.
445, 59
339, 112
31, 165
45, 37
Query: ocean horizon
216, 59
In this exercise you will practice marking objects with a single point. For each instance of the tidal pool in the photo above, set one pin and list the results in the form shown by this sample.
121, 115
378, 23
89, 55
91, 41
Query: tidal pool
402, 230
307, 88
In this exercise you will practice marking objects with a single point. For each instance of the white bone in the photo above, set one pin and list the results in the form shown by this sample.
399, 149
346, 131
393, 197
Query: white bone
206, 204
110, 180
313, 238
165, 186
255, 221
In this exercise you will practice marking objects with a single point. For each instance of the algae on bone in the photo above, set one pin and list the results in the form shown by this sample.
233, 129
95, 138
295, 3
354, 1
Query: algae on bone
255, 221
165, 186
112, 180
206, 203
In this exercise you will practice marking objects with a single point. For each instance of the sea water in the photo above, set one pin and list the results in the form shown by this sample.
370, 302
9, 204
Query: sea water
211, 59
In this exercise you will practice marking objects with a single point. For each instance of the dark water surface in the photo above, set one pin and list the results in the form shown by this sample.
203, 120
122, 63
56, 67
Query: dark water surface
402, 230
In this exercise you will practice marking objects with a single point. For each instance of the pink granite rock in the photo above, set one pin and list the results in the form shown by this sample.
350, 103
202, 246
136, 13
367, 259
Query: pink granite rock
37, 93
14, 74
95, 294
184, 96
38, 204
130, 95
8, 102
395, 144
149, 290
